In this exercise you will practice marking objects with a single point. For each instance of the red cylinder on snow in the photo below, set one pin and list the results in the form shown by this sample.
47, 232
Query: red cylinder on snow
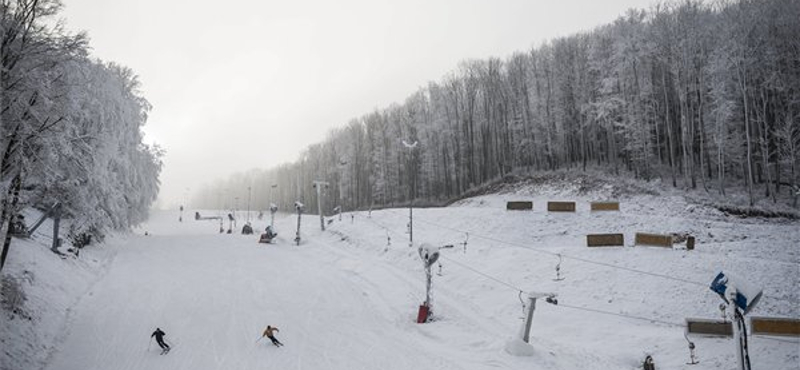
422, 316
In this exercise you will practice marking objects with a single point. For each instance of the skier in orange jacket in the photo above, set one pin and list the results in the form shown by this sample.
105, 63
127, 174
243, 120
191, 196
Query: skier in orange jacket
269, 332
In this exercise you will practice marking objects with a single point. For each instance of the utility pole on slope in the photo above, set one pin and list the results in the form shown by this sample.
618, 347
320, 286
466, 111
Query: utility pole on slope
318, 185
410, 191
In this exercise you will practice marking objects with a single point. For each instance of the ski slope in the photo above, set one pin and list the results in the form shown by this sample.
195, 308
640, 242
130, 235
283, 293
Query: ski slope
347, 298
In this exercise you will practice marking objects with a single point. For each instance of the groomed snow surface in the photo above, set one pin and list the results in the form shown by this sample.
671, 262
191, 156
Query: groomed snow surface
347, 298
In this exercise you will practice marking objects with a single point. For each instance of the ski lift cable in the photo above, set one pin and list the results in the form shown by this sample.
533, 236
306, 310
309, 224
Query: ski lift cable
483, 274
585, 260
621, 315
515, 288
782, 340
562, 304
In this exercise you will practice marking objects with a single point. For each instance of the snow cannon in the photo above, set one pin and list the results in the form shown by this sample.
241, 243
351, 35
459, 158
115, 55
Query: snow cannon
429, 254
742, 293
297, 206
273, 208
268, 235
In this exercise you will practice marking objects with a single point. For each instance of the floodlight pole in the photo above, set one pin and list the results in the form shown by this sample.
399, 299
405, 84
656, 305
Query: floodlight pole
318, 185
299, 207
410, 192
235, 208
272, 207
249, 193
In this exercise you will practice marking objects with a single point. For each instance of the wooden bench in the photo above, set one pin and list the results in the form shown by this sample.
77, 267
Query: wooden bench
654, 239
709, 327
519, 206
605, 206
775, 326
605, 240
561, 206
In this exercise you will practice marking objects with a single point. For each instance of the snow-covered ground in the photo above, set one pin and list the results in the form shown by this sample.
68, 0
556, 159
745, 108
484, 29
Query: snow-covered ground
347, 298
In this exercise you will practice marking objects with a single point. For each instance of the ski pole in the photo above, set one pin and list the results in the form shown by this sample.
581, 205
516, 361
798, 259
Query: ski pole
259, 338
149, 343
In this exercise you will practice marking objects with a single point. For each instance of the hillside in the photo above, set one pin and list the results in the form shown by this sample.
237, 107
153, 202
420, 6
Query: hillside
348, 297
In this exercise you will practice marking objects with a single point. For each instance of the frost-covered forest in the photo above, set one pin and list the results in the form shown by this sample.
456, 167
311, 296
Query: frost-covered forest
699, 94
70, 127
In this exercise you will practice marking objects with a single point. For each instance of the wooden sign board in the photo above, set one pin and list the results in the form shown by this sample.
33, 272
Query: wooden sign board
561, 206
519, 206
605, 206
775, 326
654, 239
709, 327
605, 240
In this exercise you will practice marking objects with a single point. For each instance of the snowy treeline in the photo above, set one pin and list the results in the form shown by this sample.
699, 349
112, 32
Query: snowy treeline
701, 94
70, 127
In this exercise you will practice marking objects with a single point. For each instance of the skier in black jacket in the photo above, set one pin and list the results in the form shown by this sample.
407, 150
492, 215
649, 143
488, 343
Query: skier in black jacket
160, 339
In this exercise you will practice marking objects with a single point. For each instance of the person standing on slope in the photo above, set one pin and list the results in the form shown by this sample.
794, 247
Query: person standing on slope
269, 332
160, 339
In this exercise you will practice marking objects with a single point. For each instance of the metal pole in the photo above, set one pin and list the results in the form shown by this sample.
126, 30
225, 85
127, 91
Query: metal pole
410, 200
526, 335
410, 191
410, 226
740, 331
297, 236
248, 203
319, 210
272, 219
428, 283
318, 185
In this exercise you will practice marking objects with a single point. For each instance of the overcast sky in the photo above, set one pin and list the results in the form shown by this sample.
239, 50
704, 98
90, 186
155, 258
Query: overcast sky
242, 84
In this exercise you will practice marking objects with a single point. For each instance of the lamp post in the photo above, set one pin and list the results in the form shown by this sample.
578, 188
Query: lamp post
219, 211
235, 206
272, 207
342, 163
248, 204
318, 185
410, 148
299, 207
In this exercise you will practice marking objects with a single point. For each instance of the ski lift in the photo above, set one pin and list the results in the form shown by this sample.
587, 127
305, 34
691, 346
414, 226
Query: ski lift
692, 356
558, 269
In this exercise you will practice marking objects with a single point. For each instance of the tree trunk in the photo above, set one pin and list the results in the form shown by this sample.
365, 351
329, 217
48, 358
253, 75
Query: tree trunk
743, 87
9, 214
670, 138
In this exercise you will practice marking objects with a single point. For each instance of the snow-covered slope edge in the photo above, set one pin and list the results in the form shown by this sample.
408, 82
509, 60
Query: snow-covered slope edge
51, 285
519, 249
